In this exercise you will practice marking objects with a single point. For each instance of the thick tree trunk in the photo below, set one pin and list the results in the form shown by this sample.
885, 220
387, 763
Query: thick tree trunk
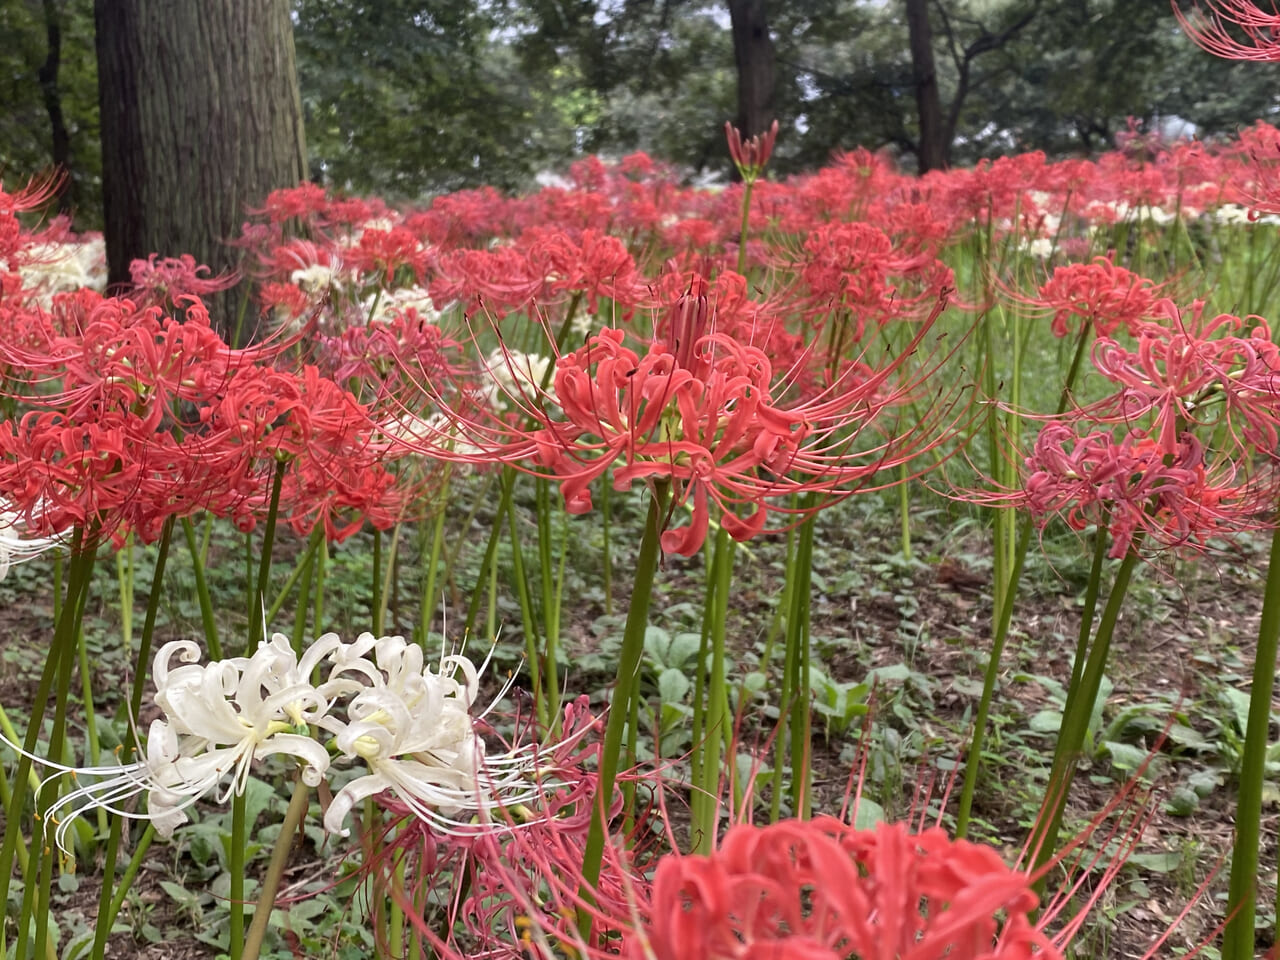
754, 56
48, 76
934, 147
201, 118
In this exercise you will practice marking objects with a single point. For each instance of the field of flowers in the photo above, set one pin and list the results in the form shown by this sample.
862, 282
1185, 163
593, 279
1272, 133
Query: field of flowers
626, 569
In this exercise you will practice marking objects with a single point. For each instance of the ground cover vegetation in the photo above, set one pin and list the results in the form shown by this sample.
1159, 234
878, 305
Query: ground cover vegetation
841, 564
904, 531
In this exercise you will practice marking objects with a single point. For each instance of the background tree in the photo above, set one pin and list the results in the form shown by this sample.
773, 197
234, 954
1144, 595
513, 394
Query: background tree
49, 92
754, 57
201, 118
410, 97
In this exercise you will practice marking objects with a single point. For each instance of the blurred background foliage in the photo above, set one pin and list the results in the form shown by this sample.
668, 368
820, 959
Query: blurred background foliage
406, 98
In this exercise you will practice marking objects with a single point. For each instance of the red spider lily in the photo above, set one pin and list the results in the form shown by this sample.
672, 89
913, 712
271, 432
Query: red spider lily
854, 267
598, 265
501, 280
383, 253
704, 413
169, 280
1217, 26
1193, 371
1100, 293
750, 156
382, 357
1133, 485
820, 889
320, 432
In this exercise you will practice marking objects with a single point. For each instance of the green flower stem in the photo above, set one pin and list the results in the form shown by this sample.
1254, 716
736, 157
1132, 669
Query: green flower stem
257, 628
79, 581
105, 917
1090, 609
62, 646
317, 606
257, 602
395, 937
391, 580
303, 606
606, 559
90, 714
202, 591
375, 604
1242, 895
747, 184
6, 800
527, 618
623, 692
298, 804
1004, 617
106, 922
700, 675
1076, 715
552, 586
124, 574
798, 655
301, 568
490, 552
426, 608
705, 807
239, 831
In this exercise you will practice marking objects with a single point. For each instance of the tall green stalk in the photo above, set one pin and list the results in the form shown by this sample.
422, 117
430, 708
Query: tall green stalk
63, 645
105, 916
202, 591
1242, 893
1003, 617
625, 689
1076, 715
79, 581
705, 800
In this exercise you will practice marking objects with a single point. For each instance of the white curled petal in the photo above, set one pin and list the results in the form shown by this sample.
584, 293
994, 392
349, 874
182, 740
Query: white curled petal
358, 789
313, 755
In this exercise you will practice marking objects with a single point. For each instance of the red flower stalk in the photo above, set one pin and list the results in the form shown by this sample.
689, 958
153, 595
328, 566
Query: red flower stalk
1233, 29
750, 156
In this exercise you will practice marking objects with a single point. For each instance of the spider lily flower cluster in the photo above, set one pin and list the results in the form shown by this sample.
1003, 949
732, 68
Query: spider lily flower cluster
409, 725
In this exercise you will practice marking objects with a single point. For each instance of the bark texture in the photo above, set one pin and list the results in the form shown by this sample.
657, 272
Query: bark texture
60, 139
201, 119
754, 56
935, 144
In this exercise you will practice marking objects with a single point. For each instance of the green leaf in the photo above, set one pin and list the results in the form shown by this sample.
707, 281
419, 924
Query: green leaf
868, 814
673, 685
1156, 862
1046, 721
1124, 756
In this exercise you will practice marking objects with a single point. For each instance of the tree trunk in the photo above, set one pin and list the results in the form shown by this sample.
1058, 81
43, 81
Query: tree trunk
934, 148
48, 77
754, 56
201, 119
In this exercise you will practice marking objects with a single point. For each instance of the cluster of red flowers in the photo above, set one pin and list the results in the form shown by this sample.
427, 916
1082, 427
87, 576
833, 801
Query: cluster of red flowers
134, 410
1194, 405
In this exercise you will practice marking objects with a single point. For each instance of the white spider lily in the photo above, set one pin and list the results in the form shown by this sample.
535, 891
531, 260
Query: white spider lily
219, 718
16, 546
413, 729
